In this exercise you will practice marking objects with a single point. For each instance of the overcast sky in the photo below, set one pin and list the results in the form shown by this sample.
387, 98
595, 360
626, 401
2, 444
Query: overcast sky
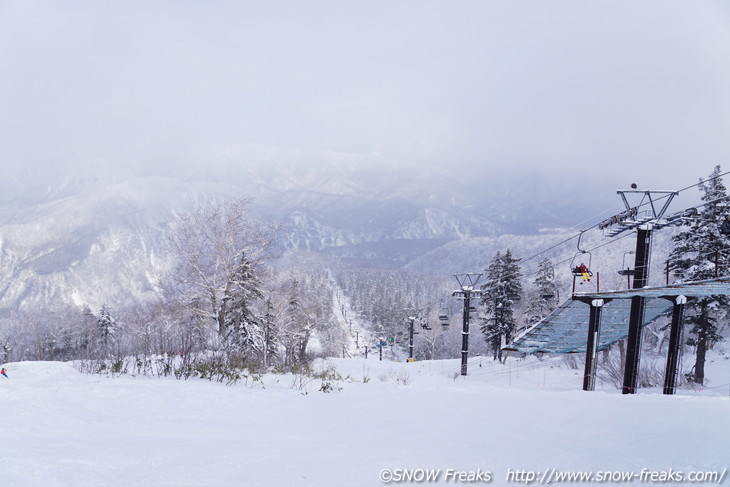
598, 89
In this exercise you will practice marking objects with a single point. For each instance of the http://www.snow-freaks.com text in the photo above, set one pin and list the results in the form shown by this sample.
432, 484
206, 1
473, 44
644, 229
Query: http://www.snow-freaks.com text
549, 476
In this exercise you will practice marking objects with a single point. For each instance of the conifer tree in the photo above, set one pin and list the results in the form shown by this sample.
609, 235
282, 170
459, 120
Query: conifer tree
293, 318
294, 328
545, 296
269, 330
701, 252
88, 328
107, 327
502, 292
241, 325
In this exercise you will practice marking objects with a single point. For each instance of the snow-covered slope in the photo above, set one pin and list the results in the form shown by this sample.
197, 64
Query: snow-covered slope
61, 428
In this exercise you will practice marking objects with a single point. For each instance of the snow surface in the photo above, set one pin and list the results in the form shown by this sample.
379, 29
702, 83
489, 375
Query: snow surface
65, 428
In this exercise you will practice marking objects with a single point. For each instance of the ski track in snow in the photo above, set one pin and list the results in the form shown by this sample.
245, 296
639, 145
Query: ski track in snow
64, 428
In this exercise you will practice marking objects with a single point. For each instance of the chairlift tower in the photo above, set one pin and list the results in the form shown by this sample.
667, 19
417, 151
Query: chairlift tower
411, 315
644, 222
467, 288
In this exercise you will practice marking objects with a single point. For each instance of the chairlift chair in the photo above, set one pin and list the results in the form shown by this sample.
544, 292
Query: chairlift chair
444, 317
444, 311
551, 296
575, 262
575, 267
625, 271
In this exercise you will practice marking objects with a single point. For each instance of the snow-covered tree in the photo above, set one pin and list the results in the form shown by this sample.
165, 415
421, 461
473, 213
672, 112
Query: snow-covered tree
219, 253
296, 329
501, 293
107, 326
309, 318
269, 331
702, 252
544, 298
87, 324
241, 327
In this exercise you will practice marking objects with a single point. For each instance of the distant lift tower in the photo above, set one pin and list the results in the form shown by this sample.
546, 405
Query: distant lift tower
644, 222
467, 289
412, 315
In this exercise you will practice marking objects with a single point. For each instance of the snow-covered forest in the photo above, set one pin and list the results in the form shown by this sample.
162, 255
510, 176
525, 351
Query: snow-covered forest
364, 243
229, 300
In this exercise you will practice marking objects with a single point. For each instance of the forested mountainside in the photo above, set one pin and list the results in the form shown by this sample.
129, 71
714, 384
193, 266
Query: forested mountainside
59, 240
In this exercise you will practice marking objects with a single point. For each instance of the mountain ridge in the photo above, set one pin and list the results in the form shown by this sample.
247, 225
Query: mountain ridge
98, 239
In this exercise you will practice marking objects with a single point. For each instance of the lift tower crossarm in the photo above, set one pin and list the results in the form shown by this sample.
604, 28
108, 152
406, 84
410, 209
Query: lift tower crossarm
669, 195
630, 219
648, 196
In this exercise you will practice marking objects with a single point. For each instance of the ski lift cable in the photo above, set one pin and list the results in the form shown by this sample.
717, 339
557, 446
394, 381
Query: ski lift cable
613, 240
471, 362
515, 377
721, 386
495, 369
631, 233
486, 369
526, 259
579, 234
702, 181
552, 247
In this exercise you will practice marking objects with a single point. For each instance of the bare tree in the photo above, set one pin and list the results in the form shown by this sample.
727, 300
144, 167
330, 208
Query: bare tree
219, 254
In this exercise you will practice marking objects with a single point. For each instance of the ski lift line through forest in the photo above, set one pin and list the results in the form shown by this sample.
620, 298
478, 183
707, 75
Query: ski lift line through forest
526, 259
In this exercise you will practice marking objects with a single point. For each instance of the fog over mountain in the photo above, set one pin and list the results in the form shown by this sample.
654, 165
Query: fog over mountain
584, 90
90, 239
372, 133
